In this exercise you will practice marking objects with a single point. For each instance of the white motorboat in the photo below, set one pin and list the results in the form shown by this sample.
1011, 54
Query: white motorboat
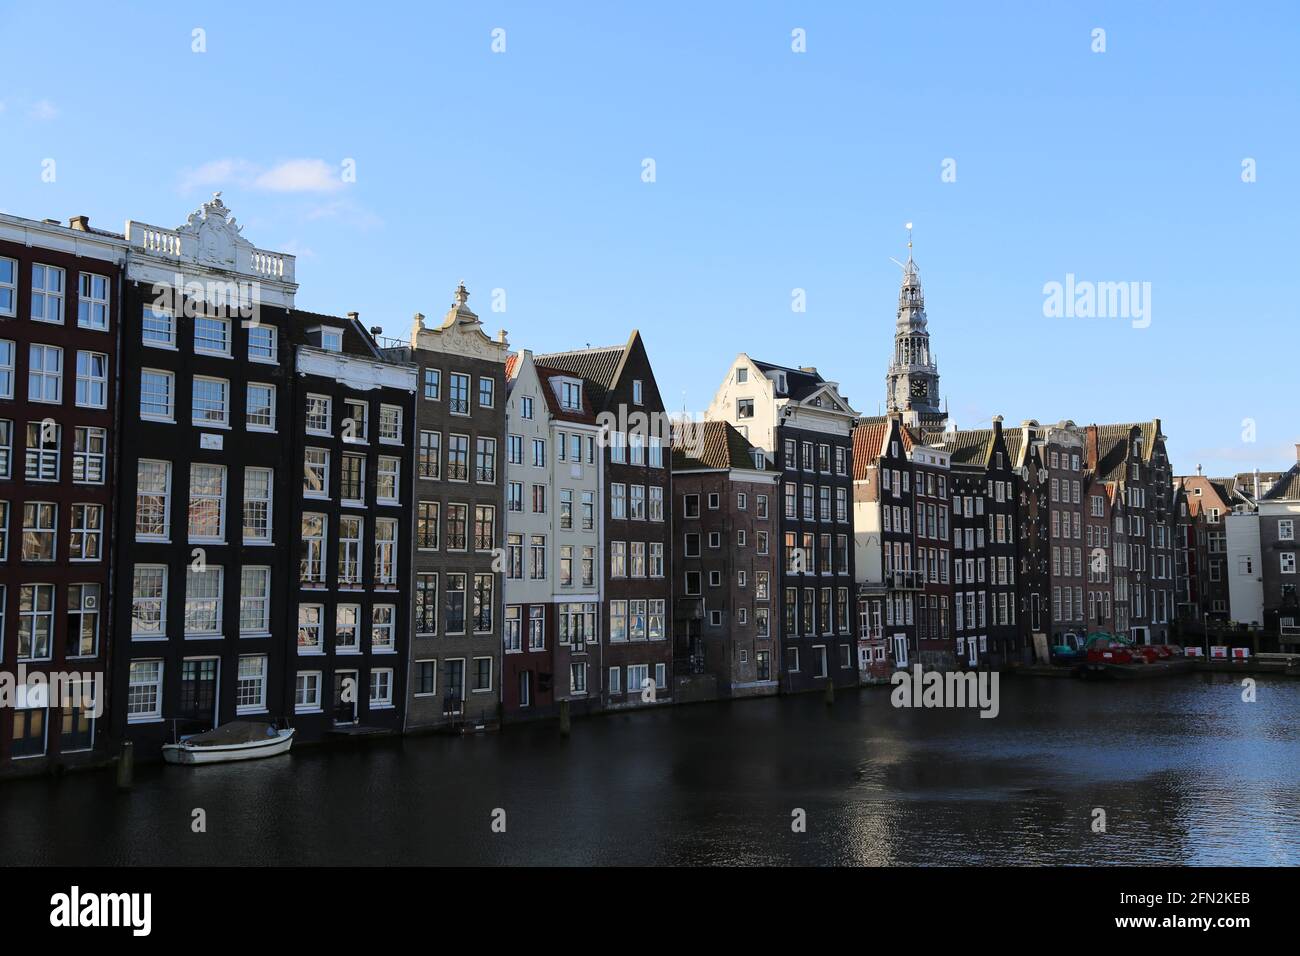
237, 740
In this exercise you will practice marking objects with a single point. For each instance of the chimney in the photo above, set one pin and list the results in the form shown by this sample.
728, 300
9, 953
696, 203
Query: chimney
1297, 451
354, 316
810, 369
501, 336
1256, 484
79, 223
997, 424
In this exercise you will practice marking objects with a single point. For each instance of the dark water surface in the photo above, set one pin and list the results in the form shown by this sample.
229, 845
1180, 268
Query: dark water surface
1186, 771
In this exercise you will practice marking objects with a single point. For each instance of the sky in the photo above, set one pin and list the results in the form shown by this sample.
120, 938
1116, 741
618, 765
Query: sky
396, 149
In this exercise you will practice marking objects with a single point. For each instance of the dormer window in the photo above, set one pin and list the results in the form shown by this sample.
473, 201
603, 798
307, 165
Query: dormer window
571, 395
331, 340
780, 383
760, 459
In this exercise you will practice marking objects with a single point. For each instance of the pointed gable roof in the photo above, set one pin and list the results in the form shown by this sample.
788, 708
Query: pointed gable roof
1287, 487
716, 444
600, 366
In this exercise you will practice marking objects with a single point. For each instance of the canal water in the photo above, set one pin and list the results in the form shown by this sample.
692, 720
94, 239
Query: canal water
1186, 772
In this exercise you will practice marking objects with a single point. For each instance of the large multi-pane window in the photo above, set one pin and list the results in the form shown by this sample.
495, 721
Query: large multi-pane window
157, 395
386, 552
352, 478
318, 414
388, 478
92, 379
311, 569
207, 515
390, 423
40, 525
149, 601
47, 294
8, 287
356, 415
158, 327
383, 628
254, 600
89, 455
82, 639
7, 360
152, 499
43, 441
512, 631
35, 621
432, 384
485, 460
459, 394
262, 343
350, 533
86, 532
203, 600
311, 629
210, 405
258, 488
458, 457
45, 373
347, 628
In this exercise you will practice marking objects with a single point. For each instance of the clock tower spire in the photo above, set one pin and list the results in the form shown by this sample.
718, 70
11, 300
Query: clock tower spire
912, 382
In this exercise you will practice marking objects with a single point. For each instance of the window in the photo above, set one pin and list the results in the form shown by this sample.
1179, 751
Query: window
152, 499
42, 459
316, 473
318, 414
485, 461
209, 405
350, 531
306, 694
260, 414
526, 408
385, 552
485, 527
92, 380
35, 621
388, 481
148, 601
89, 455
7, 358
347, 629
537, 557
483, 589
262, 343
426, 526
312, 553
432, 384
144, 691
311, 629
1286, 529
457, 527
47, 294
158, 327
637, 392
1287, 562
390, 424
87, 532
430, 454
745, 408
458, 457
455, 604
207, 516
257, 504
83, 620
8, 287
211, 335
459, 394
426, 604
250, 688
426, 678
157, 395
352, 478
203, 601
486, 392
383, 628
40, 524
45, 374
355, 421
539, 452
381, 688
254, 601
578, 678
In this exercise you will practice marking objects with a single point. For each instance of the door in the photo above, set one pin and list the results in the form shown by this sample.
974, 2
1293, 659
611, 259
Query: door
346, 692
900, 650
1033, 611
198, 703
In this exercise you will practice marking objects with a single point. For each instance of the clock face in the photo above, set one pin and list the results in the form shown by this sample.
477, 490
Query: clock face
920, 388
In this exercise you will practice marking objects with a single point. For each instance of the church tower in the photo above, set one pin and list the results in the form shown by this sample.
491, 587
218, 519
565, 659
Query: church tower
912, 382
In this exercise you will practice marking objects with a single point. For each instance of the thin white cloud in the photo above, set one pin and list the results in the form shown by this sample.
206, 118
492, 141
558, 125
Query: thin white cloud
43, 110
292, 176
346, 211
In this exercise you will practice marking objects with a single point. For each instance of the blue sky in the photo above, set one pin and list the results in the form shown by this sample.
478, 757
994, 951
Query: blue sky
774, 170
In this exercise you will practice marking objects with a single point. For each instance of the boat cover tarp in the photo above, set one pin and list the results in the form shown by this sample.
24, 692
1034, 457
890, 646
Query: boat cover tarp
235, 732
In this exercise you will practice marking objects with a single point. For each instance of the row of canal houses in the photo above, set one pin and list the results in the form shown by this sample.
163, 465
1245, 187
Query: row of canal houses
222, 506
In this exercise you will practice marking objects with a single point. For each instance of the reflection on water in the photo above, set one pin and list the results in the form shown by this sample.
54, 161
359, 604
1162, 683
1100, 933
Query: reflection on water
1186, 772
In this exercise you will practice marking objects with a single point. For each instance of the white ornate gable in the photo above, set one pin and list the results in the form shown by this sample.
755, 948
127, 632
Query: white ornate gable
215, 235
461, 333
